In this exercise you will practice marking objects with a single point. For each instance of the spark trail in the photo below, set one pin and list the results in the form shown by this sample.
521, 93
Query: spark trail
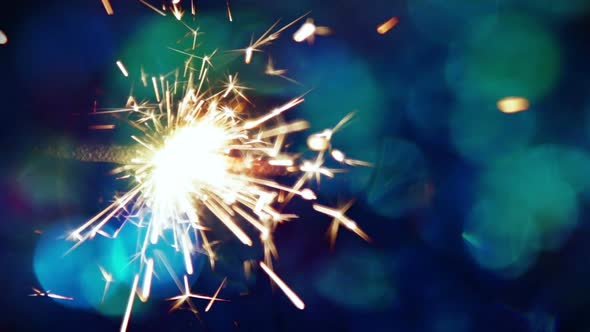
200, 151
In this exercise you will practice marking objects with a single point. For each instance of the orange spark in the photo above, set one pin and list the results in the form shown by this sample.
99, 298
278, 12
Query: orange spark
513, 104
102, 127
107, 7
387, 25
153, 8
215, 295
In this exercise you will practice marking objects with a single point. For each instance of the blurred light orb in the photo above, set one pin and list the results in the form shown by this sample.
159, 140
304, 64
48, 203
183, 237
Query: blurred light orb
365, 276
447, 20
400, 182
559, 9
3, 38
78, 273
509, 55
528, 204
513, 104
47, 183
429, 106
501, 237
481, 134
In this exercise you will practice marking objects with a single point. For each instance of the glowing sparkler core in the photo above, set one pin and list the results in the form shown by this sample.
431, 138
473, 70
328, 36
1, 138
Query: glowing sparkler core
191, 158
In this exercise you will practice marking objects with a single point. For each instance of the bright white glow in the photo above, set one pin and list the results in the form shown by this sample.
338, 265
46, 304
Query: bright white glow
191, 160
147, 280
306, 30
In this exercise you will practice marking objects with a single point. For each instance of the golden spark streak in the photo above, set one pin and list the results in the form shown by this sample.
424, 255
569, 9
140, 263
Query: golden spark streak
38, 292
178, 13
102, 127
187, 295
229, 12
339, 217
155, 84
273, 113
248, 56
153, 8
129, 304
108, 278
107, 7
271, 71
288, 292
266, 38
215, 295
122, 68
147, 280
387, 25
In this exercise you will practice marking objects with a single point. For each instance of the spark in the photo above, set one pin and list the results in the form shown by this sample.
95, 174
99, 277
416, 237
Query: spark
129, 304
384, 27
48, 293
215, 295
513, 104
340, 157
155, 84
152, 7
288, 292
266, 38
271, 71
340, 218
309, 30
107, 6
3, 38
147, 279
187, 295
273, 113
200, 151
122, 68
108, 279
177, 12
229, 12
102, 127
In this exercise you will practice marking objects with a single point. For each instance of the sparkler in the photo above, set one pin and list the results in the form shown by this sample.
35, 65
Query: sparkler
199, 151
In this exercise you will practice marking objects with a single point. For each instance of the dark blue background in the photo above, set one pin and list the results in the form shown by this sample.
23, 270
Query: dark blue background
420, 272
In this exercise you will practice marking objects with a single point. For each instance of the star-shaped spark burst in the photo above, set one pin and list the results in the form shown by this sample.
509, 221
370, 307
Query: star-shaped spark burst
203, 159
